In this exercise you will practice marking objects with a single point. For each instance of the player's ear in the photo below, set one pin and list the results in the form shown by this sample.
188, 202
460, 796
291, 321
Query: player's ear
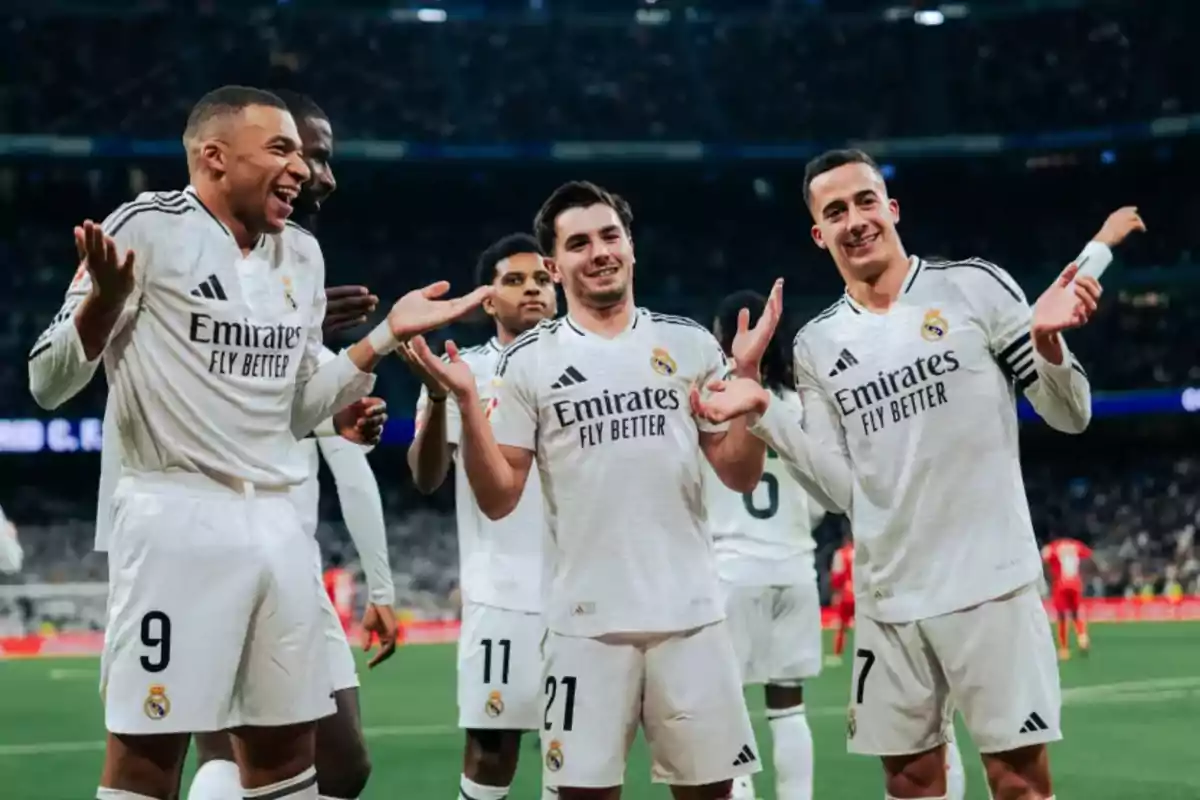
819, 237
552, 268
894, 208
489, 306
214, 156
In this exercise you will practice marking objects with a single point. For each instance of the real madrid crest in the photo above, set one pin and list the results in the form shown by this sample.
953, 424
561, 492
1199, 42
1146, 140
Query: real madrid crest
661, 362
554, 756
494, 706
288, 294
934, 326
851, 723
157, 705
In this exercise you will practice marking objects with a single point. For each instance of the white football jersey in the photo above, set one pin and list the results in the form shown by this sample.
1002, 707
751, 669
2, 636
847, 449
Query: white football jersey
501, 562
922, 401
764, 538
616, 446
212, 366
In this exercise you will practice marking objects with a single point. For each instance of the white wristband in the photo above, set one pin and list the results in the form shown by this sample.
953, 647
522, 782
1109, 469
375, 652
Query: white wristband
382, 340
1094, 259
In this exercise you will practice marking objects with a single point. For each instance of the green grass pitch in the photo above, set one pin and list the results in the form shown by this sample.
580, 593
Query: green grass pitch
1132, 711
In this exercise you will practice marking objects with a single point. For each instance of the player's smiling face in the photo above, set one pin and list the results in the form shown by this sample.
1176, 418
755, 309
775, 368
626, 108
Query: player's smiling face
266, 169
854, 219
524, 293
593, 255
316, 138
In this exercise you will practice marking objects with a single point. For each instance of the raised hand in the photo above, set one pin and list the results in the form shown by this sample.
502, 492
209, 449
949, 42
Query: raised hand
727, 400
749, 344
432, 385
362, 421
420, 310
1068, 303
112, 277
347, 307
452, 373
1119, 225
379, 622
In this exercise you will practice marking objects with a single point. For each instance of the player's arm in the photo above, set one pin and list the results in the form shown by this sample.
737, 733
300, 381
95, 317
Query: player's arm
11, 553
737, 456
1039, 366
810, 440
496, 445
362, 509
102, 300
438, 427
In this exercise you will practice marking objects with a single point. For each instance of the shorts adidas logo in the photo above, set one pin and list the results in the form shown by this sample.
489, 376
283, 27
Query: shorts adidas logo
845, 361
569, 378
746, 756
1034, 723
210, 288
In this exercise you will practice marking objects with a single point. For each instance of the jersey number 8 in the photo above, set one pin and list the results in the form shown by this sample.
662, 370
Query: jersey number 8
771, 508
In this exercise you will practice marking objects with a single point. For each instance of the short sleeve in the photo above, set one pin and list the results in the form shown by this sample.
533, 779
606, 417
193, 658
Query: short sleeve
715, 368
512, 406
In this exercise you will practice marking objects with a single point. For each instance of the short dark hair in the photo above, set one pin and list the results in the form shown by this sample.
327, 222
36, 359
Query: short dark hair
577, 194
777, 360
228, 100
301, 105
507, 247
831, 160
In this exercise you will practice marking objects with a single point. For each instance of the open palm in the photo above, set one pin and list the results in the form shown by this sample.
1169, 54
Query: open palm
1068, 303
727, 400
421, 310
749, 344
451, 372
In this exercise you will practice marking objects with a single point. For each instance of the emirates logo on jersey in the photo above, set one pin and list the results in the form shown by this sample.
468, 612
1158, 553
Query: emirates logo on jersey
616, 416
899, 394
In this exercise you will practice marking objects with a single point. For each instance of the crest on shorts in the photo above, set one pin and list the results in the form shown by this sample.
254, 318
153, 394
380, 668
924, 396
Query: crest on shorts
554, 756
157, 705
288, 292
934, 326
494, 706
661, 362
851, 723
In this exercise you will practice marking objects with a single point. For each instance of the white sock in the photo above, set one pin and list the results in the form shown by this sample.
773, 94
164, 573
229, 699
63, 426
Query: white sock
297, 787
743, 788
793, 751
956, 775
216, 780
119, 794
470, 790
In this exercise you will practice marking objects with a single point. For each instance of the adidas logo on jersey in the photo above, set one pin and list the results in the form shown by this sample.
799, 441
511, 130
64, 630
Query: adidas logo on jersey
1034, 723
210, 288
746, 756
845, 361
569, 378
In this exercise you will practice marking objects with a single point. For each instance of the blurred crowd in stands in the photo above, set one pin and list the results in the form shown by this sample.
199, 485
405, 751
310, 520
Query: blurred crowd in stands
702, 229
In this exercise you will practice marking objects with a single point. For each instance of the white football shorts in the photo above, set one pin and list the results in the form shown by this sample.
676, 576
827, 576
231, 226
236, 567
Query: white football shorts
776, 632
995, 663
682, 688
214, 619
343, 672
499, 669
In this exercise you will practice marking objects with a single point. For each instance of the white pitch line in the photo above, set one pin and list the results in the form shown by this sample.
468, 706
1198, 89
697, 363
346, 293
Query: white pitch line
1141, 691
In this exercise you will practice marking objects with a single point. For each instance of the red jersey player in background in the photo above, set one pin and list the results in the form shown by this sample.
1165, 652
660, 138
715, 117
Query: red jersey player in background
339, 585
1063, 559
841, 581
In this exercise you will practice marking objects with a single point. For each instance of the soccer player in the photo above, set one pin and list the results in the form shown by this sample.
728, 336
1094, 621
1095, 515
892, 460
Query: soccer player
633, 607
11, 553
909, 384
1064, 560
841, 580
500, 562
342, 763
206, 307
764, 549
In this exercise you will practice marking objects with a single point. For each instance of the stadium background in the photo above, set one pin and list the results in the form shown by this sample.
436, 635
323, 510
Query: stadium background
1007, 130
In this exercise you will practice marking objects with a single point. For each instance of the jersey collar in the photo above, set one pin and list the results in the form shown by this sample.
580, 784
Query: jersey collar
633, 323
190, 193
914, 268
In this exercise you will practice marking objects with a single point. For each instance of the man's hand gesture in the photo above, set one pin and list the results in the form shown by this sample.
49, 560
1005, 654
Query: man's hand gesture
453, 373
347, 307
112, 276
421, 310
749, 344
379, 622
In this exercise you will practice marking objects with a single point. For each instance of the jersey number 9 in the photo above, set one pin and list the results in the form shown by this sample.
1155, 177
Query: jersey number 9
156, 635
